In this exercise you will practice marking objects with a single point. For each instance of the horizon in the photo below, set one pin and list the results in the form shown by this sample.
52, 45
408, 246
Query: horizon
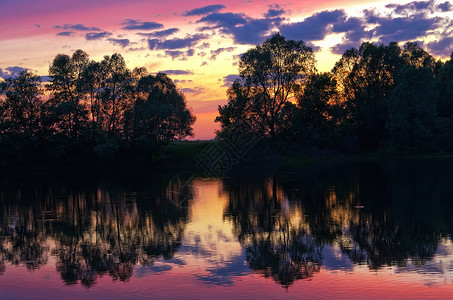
198, 44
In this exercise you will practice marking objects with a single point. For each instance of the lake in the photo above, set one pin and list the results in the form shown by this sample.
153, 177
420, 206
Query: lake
322, 230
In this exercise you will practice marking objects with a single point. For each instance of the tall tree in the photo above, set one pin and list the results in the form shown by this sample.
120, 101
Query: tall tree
159, 114
67, 96
21, 108
321, 110
270, 75
368, 87
412, 109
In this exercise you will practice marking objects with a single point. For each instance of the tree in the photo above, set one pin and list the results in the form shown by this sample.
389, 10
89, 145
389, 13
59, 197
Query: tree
412, 109
159, 114
270, 75
368, 87
21, 108
66, 105
320, 110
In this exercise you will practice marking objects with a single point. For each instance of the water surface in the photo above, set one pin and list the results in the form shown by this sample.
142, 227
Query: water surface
320, 231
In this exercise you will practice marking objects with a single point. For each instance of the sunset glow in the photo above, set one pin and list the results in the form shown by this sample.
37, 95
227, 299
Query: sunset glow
198, 43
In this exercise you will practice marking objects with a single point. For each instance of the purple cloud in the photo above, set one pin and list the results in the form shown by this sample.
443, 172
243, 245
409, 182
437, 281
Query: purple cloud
11, 72
313, 28
78, 27
66, 33
92, 36
215, 53
201, 11
177, 72
230, 79
121, 42
131, 24
175, 43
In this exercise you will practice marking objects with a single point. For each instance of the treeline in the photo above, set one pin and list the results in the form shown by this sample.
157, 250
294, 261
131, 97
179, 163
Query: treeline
89, 110
377, 97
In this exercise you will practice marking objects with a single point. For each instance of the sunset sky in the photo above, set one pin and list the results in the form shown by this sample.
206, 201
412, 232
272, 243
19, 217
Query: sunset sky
198, 43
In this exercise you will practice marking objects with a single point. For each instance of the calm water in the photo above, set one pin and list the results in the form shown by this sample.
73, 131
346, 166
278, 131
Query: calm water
339, 230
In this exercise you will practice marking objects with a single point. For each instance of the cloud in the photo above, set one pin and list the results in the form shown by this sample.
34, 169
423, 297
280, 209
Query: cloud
416, 6
188, 90
131, 24
78, 27
313, 28
229, 79
445, 7
245, 30
65, 33
92, 36
37, 26
11, 72
175, 43
201, 11
274, 11
182, 80
174, 53
215, 53
390, 29
121, 42
442, 47
177, 72
160, 34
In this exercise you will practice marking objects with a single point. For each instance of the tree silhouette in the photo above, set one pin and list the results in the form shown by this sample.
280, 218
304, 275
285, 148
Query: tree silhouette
271, 73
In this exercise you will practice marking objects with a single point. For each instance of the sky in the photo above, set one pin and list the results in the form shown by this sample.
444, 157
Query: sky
199, 43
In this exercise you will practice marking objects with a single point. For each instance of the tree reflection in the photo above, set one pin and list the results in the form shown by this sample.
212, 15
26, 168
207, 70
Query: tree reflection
277, 240
379, 214
94, 231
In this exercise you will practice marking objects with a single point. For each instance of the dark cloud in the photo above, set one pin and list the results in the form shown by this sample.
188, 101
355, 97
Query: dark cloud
204, 46
201, 11
188, 90
229, 79
182, 80
11, 72
442, 47
341, 48
92, 36
398, 29
161, 33
175, 53
78, 27
274, 11
131, 24
37, 26
215, 53
190, 52
66, 33
313, 28
245, 30
416, 6
177, 72
121, 42
176, 43
405, 22
444, 7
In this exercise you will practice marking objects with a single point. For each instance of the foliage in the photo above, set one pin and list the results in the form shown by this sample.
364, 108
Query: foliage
271, 74
90, 108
